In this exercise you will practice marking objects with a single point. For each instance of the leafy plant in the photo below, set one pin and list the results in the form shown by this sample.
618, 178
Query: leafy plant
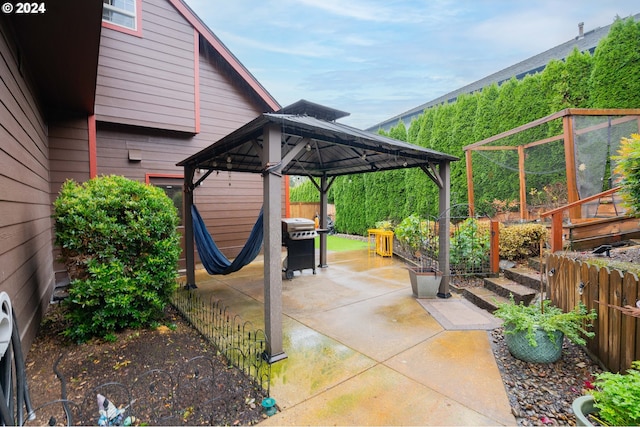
628, 168
617, 397
384, 225
470, 246
120, 243
528, 318
416, 235
521, 240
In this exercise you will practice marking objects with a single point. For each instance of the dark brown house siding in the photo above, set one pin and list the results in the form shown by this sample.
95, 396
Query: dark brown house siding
25, 224
148, 81
229, 202
68, 152
68, 159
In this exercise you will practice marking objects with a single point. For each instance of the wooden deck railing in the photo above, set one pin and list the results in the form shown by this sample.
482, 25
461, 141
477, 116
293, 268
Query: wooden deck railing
558, 213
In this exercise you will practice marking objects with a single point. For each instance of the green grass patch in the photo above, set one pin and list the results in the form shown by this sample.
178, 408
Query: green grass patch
339, 244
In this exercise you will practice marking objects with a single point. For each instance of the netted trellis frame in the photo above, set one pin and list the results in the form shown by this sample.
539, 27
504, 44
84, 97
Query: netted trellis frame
532, 162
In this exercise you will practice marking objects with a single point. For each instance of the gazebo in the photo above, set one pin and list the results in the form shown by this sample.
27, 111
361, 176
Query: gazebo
305, 139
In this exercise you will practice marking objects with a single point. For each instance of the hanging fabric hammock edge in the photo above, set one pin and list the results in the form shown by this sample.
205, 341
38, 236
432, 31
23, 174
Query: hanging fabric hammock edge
213, 259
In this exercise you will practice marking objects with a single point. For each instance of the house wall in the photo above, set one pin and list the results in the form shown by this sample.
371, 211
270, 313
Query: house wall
149, 80
150, 95
228, 202
25, 223
68, 159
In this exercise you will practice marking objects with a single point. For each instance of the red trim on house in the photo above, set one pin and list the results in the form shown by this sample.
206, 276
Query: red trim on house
93, 146
287, 203
148, 176
137, 32
225, 53
196, 78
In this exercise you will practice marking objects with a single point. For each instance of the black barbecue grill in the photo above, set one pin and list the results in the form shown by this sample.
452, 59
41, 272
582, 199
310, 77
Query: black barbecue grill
298, 236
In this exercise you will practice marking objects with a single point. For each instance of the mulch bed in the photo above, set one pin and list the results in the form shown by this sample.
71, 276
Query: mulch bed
172, 373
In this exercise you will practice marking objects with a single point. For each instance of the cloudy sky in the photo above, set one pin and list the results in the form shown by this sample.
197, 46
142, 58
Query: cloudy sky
379, 58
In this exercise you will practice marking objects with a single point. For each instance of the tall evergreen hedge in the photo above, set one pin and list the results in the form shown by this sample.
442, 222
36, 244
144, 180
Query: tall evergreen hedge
608, 79
615, 78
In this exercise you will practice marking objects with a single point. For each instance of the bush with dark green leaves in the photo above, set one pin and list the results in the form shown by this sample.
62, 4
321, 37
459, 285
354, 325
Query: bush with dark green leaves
119, 241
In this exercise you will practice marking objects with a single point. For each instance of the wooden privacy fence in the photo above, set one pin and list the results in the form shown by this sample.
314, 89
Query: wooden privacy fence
309, 210
617, 335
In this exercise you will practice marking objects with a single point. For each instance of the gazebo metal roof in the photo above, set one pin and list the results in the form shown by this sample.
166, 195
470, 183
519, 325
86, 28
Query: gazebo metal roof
328, 148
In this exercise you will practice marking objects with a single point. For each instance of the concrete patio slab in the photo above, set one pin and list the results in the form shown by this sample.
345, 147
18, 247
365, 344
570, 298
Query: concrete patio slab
460, 365
361, 350
376, 397
457, 313
378, 327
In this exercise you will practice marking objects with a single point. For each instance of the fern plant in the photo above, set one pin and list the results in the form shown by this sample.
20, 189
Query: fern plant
528, 318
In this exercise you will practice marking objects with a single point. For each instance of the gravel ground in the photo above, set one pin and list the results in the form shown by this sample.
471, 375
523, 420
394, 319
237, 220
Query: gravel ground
541, 394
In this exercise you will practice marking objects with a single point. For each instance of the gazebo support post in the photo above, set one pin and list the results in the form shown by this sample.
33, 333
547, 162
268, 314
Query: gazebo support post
325, 184
188, 228
272, 197
444, 205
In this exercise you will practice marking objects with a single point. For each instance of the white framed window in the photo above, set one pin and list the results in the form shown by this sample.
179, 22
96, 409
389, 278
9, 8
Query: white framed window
120, 12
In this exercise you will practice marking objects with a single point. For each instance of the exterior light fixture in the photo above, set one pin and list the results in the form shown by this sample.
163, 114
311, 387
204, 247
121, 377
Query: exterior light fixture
308, 147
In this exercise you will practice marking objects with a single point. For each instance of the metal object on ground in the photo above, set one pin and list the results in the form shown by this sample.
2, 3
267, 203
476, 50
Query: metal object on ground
298, 236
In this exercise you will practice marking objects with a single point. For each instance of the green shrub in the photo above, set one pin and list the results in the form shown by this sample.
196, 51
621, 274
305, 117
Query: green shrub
628, 168
617, 397
528, 318
120, 243
470, 246
417, 236
385, 225
521, 240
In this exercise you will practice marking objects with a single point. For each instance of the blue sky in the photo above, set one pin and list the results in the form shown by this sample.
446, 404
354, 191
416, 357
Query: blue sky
378, 58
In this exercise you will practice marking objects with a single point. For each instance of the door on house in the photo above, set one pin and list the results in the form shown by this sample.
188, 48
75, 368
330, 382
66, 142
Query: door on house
172, 186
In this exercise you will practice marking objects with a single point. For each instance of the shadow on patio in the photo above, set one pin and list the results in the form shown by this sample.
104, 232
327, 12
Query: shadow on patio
363, 351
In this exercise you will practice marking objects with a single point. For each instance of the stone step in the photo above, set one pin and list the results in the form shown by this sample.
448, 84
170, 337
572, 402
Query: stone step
534, 263
524, 276
484, 298
506, 287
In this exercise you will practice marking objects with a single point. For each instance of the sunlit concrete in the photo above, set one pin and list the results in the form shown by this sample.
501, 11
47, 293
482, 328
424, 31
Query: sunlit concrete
460, 365
363, 351
380, 396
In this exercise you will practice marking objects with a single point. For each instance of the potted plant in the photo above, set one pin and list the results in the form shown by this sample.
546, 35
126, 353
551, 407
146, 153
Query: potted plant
534, 333
419, 241
425, 281
615, 399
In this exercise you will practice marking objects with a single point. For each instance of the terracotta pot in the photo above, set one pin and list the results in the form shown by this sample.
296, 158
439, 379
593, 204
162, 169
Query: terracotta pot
425, 282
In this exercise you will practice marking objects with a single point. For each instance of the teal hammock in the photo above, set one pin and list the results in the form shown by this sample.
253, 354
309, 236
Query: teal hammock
212, 259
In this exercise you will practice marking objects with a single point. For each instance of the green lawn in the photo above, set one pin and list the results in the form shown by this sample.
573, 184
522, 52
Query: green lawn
339, 244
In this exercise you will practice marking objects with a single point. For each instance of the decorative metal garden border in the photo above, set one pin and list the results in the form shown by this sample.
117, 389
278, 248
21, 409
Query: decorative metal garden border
239, 341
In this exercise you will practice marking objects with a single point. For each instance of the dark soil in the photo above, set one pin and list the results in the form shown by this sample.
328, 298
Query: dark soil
157, 369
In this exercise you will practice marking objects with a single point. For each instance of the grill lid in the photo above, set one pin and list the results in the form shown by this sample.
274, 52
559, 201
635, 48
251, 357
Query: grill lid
290, 225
